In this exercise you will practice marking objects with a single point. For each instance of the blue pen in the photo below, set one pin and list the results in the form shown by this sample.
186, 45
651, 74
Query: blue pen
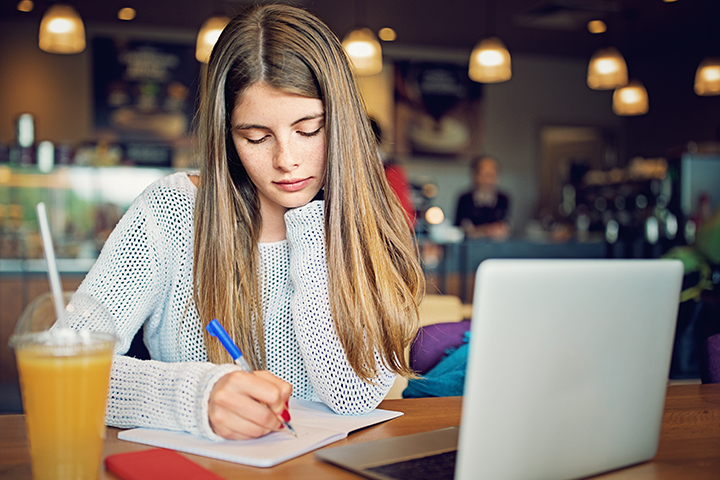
216, 330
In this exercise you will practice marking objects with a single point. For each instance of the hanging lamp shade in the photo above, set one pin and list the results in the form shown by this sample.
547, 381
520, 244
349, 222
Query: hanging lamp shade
208, 36
61, 30
364, 51
707, 77
632, 99
490, 62
607, 70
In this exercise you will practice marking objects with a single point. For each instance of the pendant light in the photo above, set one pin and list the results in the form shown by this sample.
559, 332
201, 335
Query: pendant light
61, 30
490, 60
630, 100
707, 77
208, 36
364, 51
607, 70
362, 46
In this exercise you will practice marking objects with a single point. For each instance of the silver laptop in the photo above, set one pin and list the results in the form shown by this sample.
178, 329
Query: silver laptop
567, 373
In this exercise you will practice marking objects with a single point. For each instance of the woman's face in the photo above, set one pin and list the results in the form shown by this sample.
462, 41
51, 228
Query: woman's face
280, 139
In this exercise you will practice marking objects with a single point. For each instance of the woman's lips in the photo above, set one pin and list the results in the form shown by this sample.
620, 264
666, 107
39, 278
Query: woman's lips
293, 185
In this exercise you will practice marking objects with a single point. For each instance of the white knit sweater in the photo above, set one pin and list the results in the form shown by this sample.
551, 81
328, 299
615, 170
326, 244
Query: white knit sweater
144, 276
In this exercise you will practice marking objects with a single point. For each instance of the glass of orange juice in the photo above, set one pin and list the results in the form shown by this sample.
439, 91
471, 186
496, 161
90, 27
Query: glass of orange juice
64, 372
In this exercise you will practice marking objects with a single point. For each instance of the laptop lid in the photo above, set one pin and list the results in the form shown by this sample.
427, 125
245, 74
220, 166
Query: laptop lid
568, 366
567, 374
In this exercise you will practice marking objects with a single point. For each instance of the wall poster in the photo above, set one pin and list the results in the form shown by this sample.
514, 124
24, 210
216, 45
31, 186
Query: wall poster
437, 110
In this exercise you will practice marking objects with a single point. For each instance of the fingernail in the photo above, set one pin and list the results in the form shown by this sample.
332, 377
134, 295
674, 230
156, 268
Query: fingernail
282, 425
286, 415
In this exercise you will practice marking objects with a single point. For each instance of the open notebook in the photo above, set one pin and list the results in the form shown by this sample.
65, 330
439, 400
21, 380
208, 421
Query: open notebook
315, 424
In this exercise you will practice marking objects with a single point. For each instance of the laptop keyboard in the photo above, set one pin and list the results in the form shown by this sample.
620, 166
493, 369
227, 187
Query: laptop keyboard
432, 467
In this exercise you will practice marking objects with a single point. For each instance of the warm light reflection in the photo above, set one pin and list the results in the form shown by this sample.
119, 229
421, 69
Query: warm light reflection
126, 13
434, 215
596, 26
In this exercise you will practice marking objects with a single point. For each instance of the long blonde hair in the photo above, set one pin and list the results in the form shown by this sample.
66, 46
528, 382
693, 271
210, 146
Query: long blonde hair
375, 280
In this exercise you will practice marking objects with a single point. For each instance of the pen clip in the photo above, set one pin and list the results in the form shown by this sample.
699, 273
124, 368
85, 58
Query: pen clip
216, 330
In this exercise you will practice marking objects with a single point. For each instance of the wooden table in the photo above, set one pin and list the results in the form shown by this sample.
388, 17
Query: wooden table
689, 442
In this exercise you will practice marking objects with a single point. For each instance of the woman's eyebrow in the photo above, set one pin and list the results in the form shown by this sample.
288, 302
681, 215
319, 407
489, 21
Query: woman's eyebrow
251, 126
309, 117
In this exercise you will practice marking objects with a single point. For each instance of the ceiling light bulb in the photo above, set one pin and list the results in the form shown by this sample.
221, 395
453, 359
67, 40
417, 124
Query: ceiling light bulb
60, 25
126, 13
707, 77
61, 30
607, 70
631, 99
25, 5
387, 34
364, 51
490, 58
596, 26
208, 37
490, 62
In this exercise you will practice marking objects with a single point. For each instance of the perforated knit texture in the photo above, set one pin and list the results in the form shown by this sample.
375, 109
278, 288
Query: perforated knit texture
144, 275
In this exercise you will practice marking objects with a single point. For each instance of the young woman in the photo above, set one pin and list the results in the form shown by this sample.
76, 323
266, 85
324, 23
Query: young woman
290, 236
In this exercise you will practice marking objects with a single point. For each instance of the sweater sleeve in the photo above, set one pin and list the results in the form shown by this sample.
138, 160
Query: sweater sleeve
169, 396
332, 377
128, 280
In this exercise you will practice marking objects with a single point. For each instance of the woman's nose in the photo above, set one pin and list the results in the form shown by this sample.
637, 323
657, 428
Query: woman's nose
285, 158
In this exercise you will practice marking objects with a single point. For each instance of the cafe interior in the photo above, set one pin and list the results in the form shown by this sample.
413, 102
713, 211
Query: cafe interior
603, 117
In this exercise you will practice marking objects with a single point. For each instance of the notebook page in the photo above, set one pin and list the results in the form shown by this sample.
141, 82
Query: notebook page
315, 424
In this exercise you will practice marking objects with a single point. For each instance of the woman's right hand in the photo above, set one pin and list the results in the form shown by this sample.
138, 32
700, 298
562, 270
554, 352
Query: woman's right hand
246, 405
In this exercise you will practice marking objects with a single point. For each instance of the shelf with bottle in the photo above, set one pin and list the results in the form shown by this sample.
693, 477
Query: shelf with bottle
628, 205
84, 204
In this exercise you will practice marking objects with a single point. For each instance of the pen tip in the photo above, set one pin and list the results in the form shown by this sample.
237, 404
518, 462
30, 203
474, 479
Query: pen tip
291, 429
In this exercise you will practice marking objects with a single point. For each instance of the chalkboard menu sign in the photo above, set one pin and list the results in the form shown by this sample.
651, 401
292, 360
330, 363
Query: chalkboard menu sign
145, 95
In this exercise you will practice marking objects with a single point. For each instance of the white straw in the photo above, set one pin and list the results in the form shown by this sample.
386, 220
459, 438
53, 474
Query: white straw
52, 270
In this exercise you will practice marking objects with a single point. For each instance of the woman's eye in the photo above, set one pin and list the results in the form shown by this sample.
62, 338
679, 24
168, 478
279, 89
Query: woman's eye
311, 134
256, 141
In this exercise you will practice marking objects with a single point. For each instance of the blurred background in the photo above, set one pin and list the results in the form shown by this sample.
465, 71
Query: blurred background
594, 165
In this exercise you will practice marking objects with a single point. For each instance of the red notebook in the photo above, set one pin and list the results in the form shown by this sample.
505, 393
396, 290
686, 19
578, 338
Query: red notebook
156, 464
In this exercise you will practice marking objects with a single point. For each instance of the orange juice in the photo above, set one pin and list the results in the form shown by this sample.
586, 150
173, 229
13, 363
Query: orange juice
64, 390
